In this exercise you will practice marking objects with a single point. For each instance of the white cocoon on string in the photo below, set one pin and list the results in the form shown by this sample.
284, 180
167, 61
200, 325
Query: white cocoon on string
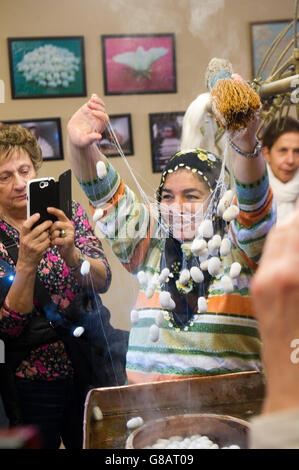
202, 305
142, 278
225, 202
154, 333
230, 213
159, 318
101, 169
227, 284
203, 255
150, 291
214, 265
225, 247
198, 245
184, 276
204, 265
164, 275
235, 270
206, 229
134, 316
85, 267
196, 274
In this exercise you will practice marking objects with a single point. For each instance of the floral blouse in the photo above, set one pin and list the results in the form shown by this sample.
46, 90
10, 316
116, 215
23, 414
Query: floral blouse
50, 361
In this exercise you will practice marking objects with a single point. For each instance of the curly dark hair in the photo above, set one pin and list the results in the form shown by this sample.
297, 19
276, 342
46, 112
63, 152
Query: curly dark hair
14, 136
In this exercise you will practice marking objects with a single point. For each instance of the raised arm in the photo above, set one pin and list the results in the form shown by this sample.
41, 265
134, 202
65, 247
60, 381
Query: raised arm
83, 130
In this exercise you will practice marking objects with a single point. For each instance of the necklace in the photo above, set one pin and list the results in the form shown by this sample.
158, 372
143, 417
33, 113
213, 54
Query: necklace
10, 222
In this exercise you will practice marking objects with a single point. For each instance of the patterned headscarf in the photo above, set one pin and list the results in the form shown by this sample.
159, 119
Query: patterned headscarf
208, 167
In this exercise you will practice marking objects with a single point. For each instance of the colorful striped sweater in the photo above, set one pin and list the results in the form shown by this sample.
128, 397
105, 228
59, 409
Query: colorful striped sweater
223, 340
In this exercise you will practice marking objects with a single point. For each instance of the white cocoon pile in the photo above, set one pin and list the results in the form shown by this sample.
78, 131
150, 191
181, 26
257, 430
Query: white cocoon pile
134, 316
215, 242
198, 245
235, 270
159, 318
214, 265
101, 170
206, 229
142, 278
227, 284
154, 333
202, 305
134, 423
184, 276
196, 274
225, 247
164, 275
85, 267
230, 213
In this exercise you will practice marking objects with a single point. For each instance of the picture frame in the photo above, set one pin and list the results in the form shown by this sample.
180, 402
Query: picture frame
165, 133
122, 127
262, 35
139, 64
49, 135
47, 67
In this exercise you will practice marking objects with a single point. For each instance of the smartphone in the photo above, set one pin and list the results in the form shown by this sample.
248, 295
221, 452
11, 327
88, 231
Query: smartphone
65, 193
42, 193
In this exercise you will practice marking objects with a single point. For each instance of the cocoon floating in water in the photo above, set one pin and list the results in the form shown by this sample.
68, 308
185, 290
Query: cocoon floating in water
135, 423
134, 316
202, 305
206, 229
159, 318
235, 270
101, 170
98, 214
142, 278
196, 274
225, 247
97, 413
198, 246
227, 284
230, 213
154, 333
184, 276
85, 267
214, 265
164, 275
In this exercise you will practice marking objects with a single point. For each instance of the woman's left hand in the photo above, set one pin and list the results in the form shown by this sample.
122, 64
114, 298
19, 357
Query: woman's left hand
62, 235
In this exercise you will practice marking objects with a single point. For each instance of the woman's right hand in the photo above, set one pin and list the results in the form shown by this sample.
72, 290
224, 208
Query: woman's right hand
33, 243
88, 123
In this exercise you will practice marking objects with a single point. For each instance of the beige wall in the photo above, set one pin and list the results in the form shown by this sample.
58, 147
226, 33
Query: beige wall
203, 28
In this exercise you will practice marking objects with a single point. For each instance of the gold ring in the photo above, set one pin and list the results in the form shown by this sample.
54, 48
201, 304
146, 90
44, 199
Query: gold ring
62, 233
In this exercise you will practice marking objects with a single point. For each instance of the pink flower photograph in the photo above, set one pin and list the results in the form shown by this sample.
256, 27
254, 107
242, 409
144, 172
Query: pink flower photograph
139, 64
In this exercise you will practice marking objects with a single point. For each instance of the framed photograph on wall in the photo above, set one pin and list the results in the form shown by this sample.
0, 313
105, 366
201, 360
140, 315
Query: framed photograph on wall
48, 134
122, 129
262, 36
165, 131
139, 63
47, 67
